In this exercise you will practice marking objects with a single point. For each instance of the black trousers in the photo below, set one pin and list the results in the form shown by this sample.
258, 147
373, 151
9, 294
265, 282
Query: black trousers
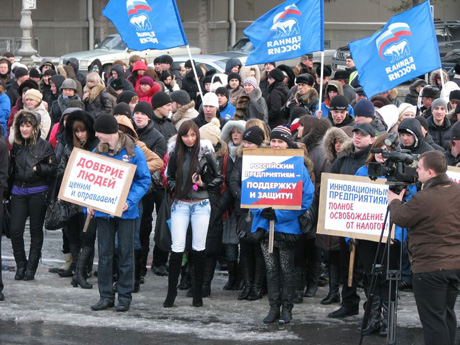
75, 234
350, 298
435, 295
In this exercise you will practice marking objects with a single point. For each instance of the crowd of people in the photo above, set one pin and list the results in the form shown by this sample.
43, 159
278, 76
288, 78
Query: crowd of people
188, 147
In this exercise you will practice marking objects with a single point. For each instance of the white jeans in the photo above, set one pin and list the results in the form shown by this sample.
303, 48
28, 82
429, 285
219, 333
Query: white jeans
182, 213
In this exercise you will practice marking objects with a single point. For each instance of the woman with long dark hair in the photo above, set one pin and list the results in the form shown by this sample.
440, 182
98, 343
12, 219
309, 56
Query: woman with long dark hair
32, 164
192, 170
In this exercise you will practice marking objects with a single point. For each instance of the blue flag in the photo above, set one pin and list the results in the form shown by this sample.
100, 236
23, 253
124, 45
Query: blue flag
294, 28
404, 49
147, 24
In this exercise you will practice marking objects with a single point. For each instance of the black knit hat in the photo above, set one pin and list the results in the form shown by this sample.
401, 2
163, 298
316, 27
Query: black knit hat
455, 132
282, 132
423, 121
117, 84
339, 102
106, 124
364, 108
145, 108
160, 99
341, 74
29, 84
234, 76
50, 72
126, 96
20, 72
181, 97
34, 73
254, 135
455, 94
305, 78
276, 74
122, 108
222, 90
327, 71
166, 59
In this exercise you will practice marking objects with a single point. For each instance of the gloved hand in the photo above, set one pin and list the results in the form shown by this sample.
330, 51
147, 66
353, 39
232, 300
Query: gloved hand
268, 213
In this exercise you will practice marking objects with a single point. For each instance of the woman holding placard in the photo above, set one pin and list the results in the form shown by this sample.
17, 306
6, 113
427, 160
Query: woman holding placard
281, 278
32, 164
192, 170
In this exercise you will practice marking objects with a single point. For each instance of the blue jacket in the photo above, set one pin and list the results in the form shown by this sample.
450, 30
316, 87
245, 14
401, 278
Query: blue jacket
139, 186
399, 232
5, 108
228, 112
287, 221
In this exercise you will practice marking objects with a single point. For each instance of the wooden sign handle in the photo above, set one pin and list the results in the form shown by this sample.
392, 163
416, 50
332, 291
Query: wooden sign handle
271, 237
352, 265
87, 221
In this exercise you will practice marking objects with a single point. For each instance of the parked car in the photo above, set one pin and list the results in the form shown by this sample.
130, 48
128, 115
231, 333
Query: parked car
449, 61
113, 48
243, 47
447, 33
216, 62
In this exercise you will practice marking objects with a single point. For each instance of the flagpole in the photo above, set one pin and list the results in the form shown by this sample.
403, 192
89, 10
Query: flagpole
321, 81
194, 72
442, 80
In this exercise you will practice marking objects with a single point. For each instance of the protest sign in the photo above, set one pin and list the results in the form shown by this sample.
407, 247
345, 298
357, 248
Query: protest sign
454, 174
272, 178
97, 181
352, 206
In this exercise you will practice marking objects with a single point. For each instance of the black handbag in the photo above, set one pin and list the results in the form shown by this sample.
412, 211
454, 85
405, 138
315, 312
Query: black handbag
309, 219
162, 236
57, 215
243, 229
6, 218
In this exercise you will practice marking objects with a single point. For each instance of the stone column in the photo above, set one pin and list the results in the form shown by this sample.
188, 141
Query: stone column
26, 50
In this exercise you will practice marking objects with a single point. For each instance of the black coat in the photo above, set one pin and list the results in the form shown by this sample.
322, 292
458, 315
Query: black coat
153, 139
413, 126
235, 184
349, 164
276, 98
441, 134
201, 121
164, 126
13, 93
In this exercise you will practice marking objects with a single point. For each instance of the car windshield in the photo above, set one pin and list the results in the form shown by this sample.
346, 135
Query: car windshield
112, 42
242, 45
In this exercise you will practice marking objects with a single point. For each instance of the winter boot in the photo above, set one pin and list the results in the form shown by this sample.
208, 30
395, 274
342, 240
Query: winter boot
384, 325
286, 311
175, 263
21, 262
256, 291
137, 269
32, 264
374, 323
79, 277
246, 267
67, 262
232, 275
185, 279
300, 286
75, 251
145, 255
274, 298
333, 295
312, 278
199, 260
209, 267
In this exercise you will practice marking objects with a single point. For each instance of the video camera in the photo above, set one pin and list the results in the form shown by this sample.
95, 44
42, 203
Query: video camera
399, 168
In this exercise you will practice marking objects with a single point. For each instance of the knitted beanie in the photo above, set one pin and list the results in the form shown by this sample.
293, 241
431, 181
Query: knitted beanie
144, 107
210, 99
339, 102
146, 80
211, 131
254, 135
252, 81
34, 94
160, 99
364, 108
181, 97
234, 75
439, 102
282, 132
106, 124
122, 108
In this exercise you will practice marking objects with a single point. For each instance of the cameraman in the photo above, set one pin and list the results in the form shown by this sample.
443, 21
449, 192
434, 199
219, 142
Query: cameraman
434, 244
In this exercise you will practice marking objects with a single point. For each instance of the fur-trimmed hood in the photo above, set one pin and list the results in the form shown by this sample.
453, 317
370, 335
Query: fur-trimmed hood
205, 147
338, 85
93, 92
226, 133
221, 148
125, 121
308, 97
32, 118
184, 113
81, 116
245, 72
254, 95
124, 141
435, 74
331, 135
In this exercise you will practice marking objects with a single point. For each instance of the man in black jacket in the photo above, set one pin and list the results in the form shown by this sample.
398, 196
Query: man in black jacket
453, 154
411, 136
439, 125
161, 104
363, 138
210, 111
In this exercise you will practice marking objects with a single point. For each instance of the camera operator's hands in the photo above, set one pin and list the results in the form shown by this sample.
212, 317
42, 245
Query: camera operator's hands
392, 195
268, 213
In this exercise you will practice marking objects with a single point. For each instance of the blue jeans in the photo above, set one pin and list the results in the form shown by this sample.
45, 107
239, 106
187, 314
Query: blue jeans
182, 212
107, 229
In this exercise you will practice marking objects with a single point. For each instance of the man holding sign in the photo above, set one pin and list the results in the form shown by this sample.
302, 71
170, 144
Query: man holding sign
281, 281
119, 146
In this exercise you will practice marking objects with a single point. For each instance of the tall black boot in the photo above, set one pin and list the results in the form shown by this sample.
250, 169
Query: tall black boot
185, 278
145, 255
333, 295
21, 262
175, 263
246, 268
312, 278
300, 285
274, 298
232, 275
259, 277
286, 301
374, 324
199, 259
32, 263
137, 269
384, 325
209, 267
79, 277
